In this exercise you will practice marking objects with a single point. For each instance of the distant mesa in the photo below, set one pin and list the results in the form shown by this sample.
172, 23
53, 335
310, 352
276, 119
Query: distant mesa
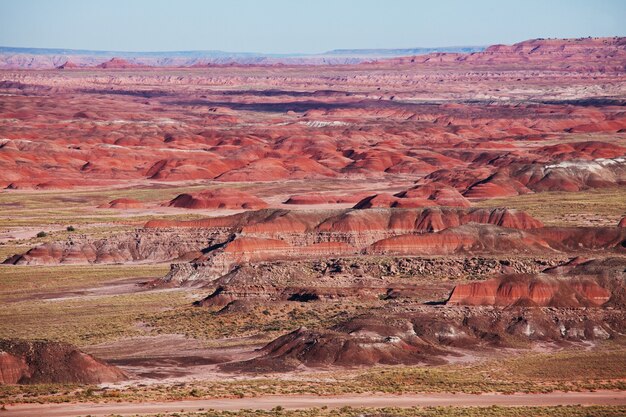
119, 63
580, 54
218, 199
45, 362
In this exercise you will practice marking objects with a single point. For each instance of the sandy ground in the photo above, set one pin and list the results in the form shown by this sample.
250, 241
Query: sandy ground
308, 401
171, 358
26, 232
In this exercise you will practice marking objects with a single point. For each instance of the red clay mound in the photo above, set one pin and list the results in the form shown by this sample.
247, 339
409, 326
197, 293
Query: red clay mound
218, 199
175, 169
388, 200
369, 344
124, 203
530, 291
572, 175
441, 194
43, 362
496, 185
622, 222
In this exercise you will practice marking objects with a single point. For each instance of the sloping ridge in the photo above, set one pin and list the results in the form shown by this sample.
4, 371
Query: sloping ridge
38, 362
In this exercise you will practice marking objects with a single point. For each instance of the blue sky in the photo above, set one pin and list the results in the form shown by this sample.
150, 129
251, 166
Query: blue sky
289, 26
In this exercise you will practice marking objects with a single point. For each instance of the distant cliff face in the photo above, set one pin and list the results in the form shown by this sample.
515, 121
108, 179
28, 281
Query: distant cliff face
583, 54
32, 58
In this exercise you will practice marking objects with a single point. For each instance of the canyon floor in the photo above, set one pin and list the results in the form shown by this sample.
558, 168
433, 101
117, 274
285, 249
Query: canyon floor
436, 235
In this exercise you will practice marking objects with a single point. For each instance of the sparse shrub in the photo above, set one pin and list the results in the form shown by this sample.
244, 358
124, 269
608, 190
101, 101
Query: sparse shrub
70, 229
42, 234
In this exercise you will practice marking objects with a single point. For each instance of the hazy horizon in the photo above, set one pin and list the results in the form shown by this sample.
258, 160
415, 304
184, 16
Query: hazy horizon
289, 27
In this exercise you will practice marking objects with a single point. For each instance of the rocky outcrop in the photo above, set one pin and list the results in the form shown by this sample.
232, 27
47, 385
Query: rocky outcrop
332, 271
426, 335
141, 245
44, 362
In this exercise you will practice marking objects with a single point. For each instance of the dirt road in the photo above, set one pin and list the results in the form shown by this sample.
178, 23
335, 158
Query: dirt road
308, 401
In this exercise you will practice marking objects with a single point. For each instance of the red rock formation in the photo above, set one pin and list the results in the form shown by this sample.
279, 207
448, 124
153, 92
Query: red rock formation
40, 362
469, 239
388, 200
622, 222
441, 194
426, 335
218, 199
581, 54
142, 245
530, 291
